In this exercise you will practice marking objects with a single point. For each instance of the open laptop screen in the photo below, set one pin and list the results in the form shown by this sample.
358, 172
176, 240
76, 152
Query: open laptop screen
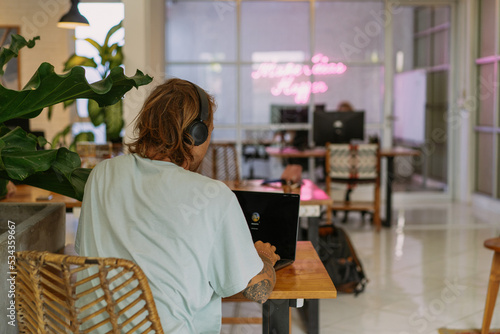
273, 218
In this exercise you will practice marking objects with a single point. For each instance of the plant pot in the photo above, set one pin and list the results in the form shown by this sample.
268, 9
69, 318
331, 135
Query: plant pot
26, 226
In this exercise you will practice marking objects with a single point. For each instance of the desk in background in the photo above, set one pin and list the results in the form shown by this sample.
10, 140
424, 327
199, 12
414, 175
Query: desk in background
387, 153
390, 154
306, 278
29, 194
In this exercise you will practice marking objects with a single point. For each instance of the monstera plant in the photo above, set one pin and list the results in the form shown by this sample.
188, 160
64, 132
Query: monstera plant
56, 170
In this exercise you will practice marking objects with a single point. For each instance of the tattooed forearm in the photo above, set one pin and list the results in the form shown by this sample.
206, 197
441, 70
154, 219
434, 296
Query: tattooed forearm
261, 286
258, 292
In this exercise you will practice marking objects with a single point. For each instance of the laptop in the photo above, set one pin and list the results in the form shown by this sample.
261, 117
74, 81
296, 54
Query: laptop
273, 218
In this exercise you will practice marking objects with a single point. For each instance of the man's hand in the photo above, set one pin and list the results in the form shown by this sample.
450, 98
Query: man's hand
267, 251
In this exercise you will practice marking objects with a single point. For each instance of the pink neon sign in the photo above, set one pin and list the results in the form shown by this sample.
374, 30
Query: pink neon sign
289, 72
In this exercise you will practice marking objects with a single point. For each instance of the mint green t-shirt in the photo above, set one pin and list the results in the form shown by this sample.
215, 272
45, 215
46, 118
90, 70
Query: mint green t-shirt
186, 231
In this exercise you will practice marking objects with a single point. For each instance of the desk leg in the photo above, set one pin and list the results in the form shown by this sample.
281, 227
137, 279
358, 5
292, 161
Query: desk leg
388, 192
311, 307
275, 316
313, 231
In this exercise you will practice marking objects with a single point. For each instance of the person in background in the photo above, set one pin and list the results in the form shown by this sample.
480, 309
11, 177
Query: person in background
186, 231
344, 106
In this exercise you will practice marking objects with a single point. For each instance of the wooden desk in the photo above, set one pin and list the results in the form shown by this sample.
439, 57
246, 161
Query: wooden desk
387, 153
311, 199
390, 154
306, 278
29, 194
292, 152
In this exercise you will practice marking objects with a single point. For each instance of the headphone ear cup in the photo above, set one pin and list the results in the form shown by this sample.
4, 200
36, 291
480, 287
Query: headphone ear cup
199, 131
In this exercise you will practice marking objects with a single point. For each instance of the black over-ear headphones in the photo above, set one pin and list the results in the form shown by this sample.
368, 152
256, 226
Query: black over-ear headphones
197, 129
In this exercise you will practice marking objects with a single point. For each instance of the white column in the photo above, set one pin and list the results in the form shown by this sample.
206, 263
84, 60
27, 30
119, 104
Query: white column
144, 50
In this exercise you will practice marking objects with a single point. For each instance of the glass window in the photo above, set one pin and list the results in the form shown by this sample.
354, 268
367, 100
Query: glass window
441, 16
422, 52
486, 95
218, 80
403, 23
201, 31
269, 26
102, 17
487, 35
423, 20
440, 51
350, 31
484, 163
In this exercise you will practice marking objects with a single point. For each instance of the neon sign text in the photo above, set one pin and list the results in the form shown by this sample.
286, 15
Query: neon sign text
289, 72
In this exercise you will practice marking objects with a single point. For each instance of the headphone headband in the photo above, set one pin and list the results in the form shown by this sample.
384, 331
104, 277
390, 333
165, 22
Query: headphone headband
203, 101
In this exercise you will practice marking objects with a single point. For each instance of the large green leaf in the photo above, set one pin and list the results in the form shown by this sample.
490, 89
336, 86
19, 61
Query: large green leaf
76, 60
96, 113
18, 42
47, 88
111, 32
114, 121
54, 170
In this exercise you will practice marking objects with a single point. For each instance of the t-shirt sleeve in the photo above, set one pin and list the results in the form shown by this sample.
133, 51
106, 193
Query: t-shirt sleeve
234, 260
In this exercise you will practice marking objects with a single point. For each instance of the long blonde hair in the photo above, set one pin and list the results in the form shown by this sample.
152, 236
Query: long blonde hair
162, 122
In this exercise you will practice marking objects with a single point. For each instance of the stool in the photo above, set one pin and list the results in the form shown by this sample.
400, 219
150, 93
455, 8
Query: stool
491, 297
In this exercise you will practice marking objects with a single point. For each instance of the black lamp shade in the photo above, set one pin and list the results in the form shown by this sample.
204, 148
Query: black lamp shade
72, 18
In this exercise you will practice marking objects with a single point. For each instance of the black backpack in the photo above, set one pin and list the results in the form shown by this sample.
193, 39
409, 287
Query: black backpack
340, 260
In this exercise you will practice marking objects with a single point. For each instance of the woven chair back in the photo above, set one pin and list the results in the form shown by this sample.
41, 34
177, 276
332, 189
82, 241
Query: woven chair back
221, 162
353, 162
58, 293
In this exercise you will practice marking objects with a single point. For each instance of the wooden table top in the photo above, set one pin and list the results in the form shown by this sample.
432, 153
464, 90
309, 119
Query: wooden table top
29, 194
398, 151
320, 151
292, 152
306, 278
310, 193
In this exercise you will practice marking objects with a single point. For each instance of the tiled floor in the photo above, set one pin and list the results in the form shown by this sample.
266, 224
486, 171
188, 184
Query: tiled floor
429, 270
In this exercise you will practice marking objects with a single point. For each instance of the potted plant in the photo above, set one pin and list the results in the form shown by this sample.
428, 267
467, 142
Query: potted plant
57, 170
111, 56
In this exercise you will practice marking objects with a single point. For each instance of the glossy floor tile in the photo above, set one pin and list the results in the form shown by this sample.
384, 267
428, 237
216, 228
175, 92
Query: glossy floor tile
429, 270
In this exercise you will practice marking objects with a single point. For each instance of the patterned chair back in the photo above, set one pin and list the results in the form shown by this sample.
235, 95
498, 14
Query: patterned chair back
221, 162
353, 162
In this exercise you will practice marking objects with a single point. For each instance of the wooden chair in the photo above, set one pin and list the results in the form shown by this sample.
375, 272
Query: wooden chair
221, 162
353, 165
491, 297
52, 292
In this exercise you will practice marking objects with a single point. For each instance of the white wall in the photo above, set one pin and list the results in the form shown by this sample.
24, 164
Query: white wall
144, 49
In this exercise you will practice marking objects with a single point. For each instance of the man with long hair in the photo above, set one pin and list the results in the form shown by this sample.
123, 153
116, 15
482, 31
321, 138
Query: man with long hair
186, 231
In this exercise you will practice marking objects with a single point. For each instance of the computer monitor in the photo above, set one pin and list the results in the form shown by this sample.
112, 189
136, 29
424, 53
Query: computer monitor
338, 127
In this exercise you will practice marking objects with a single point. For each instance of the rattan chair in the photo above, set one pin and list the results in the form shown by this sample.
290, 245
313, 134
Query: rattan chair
53, 292
353, 165
221, 162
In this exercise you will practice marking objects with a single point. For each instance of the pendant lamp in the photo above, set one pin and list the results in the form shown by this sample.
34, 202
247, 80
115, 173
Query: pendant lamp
73, 18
